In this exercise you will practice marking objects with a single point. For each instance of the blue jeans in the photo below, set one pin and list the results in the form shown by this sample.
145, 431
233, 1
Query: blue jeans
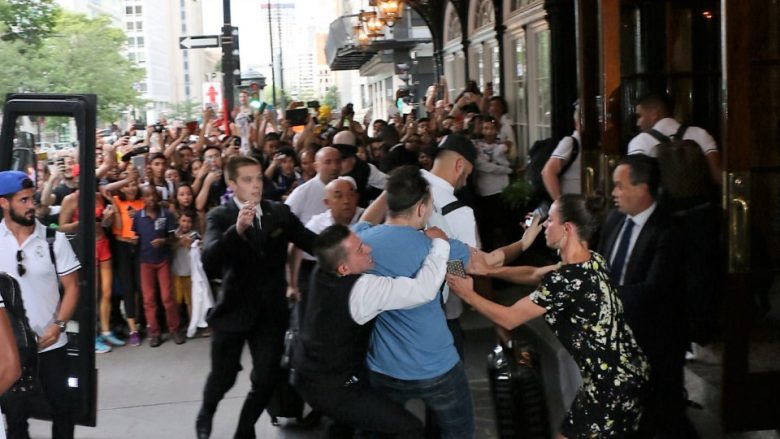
448, 396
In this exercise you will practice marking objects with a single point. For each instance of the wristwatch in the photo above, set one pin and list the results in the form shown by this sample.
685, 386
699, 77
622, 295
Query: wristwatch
60, 324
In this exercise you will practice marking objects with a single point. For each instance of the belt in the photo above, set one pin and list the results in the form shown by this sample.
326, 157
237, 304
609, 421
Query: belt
126, 240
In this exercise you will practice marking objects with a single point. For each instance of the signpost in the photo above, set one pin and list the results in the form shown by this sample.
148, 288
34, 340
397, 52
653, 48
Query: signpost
199, 41
212, 95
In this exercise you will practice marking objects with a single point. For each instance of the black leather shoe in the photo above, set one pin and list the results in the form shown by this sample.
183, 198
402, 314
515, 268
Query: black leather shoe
155, 341
203, 425
178, 337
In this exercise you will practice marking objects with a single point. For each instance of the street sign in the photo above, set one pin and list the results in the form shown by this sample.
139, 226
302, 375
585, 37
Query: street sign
199, 41
212, 94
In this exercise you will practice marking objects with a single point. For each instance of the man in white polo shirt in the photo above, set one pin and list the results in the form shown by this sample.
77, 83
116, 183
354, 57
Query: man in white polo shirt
27, 258
653, 114
305, 201
454, 162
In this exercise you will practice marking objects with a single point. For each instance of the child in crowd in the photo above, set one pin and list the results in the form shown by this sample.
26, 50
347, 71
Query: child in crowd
155, 226
181, 268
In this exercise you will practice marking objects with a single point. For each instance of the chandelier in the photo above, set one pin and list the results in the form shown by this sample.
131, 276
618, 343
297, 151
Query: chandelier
371, 24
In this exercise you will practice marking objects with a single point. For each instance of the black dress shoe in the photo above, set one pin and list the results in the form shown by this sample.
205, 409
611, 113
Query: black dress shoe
155, 341
203, 425
178, 337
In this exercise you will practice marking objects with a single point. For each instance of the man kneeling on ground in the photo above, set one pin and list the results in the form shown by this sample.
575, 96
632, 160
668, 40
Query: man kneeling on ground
329, 354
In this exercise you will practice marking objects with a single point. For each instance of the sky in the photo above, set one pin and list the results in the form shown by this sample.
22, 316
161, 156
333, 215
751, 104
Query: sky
254, 42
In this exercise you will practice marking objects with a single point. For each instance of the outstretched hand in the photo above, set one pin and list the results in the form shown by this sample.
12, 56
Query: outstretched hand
532, 231
463, 287
435, 232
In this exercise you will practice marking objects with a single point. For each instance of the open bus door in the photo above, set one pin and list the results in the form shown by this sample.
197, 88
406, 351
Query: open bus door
82, 375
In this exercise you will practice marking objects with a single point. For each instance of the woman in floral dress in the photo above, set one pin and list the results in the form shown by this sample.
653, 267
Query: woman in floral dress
583, 309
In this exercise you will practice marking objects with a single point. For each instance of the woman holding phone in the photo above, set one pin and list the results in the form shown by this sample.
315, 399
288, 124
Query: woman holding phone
581, 306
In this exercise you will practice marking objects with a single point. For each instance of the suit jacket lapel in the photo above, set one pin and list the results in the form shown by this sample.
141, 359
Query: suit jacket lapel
613, 235
646, 237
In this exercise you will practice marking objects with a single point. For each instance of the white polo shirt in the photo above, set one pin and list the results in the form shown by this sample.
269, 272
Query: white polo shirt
460, 224
308, 199
571, 179
646, 144
40, 284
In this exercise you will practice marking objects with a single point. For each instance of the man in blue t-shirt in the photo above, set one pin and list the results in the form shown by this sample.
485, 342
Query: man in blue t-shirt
411, 353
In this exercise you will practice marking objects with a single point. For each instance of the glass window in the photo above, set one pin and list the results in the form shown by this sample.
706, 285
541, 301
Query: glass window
139, 25
130, 25
142, 87
543, 95
129, 10
485, 14
131, 56
454, 31
480, 58
138, 9
496, 74
140, 57
131, 41
140, 41
521, 98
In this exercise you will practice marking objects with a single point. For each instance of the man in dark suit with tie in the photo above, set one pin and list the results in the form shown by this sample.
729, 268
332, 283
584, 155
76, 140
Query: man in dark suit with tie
642, 246
246, 246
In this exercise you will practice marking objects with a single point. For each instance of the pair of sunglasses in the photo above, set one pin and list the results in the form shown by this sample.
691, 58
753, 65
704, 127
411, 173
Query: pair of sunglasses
19, 266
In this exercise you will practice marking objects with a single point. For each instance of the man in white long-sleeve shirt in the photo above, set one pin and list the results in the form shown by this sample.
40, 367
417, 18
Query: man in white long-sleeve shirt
329, 355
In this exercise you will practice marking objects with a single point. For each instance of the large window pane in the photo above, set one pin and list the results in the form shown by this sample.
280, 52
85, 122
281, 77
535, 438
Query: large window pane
544, 108
521, 98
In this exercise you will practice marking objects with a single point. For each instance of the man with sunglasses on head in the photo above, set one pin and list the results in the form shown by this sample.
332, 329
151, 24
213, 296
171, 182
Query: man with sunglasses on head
26, 256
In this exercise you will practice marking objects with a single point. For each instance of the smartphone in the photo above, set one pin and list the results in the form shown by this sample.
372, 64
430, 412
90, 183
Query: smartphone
139, 162
139, 126
313, 104
539, 212
455, 266
297, 116
262, 108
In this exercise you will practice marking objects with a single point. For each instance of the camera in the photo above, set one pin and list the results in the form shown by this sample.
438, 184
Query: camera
158, 127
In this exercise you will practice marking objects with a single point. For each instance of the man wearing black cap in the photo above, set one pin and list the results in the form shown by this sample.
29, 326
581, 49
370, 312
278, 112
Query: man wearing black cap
370, 180
281, 175
454, 162
26, 257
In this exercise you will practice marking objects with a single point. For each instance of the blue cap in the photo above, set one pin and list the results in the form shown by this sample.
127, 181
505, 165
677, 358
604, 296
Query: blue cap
11, 182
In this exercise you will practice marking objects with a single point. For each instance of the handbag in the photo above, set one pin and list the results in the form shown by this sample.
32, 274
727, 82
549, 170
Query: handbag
26, 339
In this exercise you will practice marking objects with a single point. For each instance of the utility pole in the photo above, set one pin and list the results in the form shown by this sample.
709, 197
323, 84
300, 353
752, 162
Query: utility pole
228, 66
281, 57
273, 67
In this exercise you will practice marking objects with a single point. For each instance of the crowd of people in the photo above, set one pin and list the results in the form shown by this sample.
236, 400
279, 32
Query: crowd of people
330, 213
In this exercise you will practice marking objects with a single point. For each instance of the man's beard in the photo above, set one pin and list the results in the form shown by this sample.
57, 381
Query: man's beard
22, 219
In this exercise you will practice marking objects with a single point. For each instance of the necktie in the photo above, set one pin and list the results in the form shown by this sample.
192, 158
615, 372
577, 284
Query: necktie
622, 251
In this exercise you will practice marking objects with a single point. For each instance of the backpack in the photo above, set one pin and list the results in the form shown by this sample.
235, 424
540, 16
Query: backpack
685, 173
26, 339
540, 153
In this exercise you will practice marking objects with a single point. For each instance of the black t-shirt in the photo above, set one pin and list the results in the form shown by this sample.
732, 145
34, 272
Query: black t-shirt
61, 192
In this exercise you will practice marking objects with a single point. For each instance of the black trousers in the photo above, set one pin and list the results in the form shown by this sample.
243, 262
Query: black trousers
266, 343
128, 269
361, 407
53, 376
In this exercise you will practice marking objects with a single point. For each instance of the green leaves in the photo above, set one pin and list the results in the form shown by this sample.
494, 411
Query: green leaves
78, 55
28, 21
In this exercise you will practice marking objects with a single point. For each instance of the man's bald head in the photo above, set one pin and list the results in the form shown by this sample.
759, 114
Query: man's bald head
341, 197
344, 138
327, 162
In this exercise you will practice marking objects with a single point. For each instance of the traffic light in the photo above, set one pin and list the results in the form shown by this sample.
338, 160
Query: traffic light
236, 57
254, 96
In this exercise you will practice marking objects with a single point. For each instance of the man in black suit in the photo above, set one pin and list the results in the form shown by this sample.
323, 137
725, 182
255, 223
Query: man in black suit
642, 247
246, 246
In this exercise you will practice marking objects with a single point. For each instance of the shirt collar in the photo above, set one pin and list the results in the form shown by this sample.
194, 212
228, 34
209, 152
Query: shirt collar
258, 209
438, 181
641, 218
40, 230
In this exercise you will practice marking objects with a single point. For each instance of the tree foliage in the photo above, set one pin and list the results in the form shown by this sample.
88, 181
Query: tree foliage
82, 55
331, 98
28, 21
